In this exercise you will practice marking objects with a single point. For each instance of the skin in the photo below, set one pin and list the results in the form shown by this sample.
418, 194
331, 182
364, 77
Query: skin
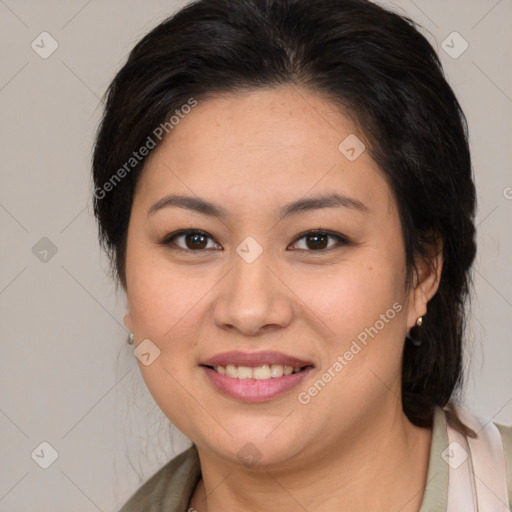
351, 448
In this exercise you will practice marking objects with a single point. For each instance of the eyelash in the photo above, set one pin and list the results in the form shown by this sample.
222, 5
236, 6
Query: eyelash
168, 239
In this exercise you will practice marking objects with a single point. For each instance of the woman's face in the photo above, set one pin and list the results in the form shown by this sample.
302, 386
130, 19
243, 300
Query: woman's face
251, 286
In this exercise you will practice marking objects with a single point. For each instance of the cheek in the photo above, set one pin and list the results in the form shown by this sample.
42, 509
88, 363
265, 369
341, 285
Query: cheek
166, 307
362, 312
352, 297
364, 315
162, 296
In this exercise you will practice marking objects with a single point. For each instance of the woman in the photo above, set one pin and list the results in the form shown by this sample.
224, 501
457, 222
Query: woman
285, 190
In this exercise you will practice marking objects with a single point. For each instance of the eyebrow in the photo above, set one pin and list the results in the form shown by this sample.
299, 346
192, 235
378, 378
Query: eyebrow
204, 207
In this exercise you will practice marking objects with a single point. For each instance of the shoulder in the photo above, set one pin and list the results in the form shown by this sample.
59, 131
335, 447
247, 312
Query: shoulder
506, 438
170, 488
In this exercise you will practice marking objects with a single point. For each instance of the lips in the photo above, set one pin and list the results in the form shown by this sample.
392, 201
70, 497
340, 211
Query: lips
256, 376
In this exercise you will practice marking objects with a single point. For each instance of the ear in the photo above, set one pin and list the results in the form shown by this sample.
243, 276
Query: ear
425, 283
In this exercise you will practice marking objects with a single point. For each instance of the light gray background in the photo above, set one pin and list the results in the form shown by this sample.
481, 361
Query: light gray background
67, 375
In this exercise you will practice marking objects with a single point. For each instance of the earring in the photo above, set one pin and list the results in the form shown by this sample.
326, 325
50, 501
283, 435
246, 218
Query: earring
414, 341
131, 339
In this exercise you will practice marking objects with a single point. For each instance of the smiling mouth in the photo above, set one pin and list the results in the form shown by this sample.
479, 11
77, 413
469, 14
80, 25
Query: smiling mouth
263, 372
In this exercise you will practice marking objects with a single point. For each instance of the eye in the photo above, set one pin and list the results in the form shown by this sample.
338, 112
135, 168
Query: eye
194, 240
315, 241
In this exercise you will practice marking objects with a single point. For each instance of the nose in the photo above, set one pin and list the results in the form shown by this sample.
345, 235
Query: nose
253, 299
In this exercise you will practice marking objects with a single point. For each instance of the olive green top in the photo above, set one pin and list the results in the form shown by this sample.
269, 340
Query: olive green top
170, 488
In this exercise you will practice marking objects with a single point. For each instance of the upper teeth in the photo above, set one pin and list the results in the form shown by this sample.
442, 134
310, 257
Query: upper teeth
263, 372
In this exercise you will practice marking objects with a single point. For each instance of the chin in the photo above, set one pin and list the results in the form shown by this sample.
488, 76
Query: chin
255, 447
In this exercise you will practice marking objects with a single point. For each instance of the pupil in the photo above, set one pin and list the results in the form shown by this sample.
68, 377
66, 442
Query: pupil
196, 238
316, 237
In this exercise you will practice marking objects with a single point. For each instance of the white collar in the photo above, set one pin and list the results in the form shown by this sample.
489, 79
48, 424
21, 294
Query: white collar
477, 474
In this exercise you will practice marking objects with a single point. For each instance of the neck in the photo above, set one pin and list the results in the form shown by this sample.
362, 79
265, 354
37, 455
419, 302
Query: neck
383, 466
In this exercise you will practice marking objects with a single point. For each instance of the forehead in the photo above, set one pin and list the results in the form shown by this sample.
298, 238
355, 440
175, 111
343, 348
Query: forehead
276, 144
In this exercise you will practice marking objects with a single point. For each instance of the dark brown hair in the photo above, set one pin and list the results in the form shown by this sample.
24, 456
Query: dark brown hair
372, 62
